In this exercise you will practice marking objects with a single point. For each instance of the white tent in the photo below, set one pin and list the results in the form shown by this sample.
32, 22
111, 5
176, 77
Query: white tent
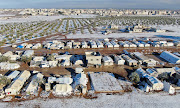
108, 61
32, 87
13, 74
62, 89
9, 66
17, 84
170, 57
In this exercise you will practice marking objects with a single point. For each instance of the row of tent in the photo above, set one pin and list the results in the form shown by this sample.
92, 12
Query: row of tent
54, 45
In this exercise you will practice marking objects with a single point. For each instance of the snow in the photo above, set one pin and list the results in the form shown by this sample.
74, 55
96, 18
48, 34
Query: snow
123, 35
127, 100
167, 35
44, 18
104, 82
6, 15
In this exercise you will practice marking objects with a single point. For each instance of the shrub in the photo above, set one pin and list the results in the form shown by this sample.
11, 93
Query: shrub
4, 80
26, 59
134, 77
164, 76
4, 59
50, 58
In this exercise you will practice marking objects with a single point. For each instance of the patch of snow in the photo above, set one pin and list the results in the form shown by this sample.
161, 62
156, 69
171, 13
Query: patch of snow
44, 18
127, 100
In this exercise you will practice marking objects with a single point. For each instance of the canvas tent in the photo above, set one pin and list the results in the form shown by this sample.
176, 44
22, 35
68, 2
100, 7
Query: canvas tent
62, 89
17, 83
80, 82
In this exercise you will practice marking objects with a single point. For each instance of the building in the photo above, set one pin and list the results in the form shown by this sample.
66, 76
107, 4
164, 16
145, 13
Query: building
160, 31
93, 58
53, 63
84, 44
170, 57
123, 44
28, 53
64, 80
17, 84
13, 74
68, 45
77, 60
130, 61
119, 60
8, 53
157, 71
144, 59
35, 63
38, 58
137, 30
115, 45
53, 47
108, 45
29, 46
132, 45
65, 62
99, 44
76, 45
37, 46
113, 26
146, 44
177, 44
177, 54
9, 66
170, 44
92, 44
44, 64
14, 57
155, 44
107, 61
150, 80
61, 80
139, 44
47, 86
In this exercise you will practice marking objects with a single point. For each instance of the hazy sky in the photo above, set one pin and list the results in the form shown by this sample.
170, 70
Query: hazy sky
149, 4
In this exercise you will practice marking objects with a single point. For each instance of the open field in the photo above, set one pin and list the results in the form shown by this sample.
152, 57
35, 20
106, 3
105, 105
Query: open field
167, 35
83, 26
19, 32
43, 18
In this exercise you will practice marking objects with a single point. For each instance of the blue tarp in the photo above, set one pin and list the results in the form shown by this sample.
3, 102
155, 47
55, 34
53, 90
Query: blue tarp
20, 46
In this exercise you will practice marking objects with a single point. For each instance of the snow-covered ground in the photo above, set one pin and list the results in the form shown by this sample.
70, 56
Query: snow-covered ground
167, 35
6, 15
127, 100
44, 18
